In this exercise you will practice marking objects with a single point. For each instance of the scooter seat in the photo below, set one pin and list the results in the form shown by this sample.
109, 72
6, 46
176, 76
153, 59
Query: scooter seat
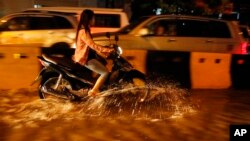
69, 65
65, 62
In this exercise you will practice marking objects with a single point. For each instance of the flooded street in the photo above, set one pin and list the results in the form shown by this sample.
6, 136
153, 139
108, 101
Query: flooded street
188, 115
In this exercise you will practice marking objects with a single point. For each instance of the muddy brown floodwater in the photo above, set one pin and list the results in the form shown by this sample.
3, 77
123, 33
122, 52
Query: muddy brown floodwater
190, 115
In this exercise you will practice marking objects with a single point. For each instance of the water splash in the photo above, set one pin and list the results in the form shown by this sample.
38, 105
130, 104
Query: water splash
167, 101
22, 108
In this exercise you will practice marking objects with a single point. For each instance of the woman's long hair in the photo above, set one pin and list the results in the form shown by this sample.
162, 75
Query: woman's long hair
86, 16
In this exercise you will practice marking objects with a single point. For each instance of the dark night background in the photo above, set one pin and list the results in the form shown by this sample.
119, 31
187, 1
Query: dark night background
192, 7
138, 8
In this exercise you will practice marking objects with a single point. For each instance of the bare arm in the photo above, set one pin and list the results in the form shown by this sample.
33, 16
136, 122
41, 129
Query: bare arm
89, 41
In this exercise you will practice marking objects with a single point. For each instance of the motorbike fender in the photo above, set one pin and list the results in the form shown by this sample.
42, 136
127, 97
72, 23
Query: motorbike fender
42, 75
39, 76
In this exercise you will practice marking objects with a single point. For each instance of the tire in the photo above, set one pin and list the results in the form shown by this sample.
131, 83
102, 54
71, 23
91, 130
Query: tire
47, 88
45, 78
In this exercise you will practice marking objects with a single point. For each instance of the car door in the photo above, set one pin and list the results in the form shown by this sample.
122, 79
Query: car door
162, 34
220, 37
179, 35
41, 29
13, 30
49, 30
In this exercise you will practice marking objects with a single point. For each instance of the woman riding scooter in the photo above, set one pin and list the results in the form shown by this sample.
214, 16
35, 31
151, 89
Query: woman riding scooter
86, 51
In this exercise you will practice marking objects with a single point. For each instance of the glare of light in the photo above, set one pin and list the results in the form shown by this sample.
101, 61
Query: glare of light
244, 48
240, 62
71, 35
120, 50
73, 45
220, 16
3, 21
158, 11
37, 6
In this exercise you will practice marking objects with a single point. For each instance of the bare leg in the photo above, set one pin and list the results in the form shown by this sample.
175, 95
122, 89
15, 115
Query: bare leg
99, 68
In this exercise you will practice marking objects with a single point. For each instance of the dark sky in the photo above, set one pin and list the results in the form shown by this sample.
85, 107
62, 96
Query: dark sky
241, 1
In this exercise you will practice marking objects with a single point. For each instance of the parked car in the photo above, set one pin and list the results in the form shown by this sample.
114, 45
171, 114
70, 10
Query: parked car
50, 30
106, 19
181, 33
165, 44
55, 26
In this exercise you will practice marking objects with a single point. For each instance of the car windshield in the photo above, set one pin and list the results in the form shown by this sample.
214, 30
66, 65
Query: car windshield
132, 25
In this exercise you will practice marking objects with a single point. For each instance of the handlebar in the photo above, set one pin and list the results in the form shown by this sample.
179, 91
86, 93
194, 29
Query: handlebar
117, 50
116, 53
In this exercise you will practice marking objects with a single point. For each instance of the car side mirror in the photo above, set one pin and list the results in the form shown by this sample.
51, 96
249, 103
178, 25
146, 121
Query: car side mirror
143, 31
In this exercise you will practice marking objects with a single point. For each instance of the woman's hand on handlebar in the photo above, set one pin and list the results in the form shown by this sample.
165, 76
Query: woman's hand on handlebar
107, 51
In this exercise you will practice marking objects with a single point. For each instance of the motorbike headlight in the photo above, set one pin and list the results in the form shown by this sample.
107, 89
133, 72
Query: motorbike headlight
119, 50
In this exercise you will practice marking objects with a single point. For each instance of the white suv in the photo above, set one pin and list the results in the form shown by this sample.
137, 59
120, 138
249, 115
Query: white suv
55, 27
151, 41
106, 19
49, 30
182, 33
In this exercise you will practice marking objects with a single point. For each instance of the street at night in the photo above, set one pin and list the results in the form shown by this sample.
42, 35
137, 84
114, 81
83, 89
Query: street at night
189, 115
124, 70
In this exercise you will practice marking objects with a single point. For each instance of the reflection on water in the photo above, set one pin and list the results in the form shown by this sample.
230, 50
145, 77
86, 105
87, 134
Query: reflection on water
176, 114
169, 102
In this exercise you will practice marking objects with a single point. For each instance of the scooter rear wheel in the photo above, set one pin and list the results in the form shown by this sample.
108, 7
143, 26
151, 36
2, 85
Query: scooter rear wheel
49, 88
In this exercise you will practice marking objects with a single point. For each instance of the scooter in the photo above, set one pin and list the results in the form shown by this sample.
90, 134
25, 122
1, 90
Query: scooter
63, 78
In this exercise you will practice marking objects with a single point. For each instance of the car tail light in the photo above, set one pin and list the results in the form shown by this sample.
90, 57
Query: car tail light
240, 61
243, 48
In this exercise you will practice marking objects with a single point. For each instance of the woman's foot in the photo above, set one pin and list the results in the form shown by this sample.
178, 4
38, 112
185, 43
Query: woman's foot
93, 93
